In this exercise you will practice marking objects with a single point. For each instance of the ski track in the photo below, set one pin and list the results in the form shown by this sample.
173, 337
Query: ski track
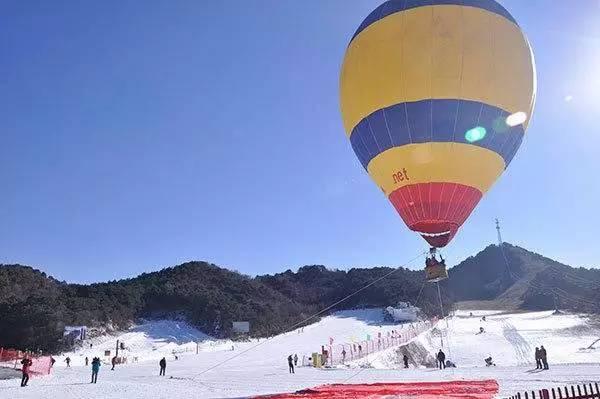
521, 347
263, 370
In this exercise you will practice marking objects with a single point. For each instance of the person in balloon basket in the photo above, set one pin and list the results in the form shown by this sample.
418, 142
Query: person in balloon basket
95, 369
441, 358
25, 366
163, 366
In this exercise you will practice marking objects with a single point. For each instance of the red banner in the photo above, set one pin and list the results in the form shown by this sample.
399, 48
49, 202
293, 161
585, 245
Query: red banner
418, 390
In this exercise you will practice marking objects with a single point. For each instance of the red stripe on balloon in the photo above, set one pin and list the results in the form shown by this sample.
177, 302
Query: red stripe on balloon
435, 208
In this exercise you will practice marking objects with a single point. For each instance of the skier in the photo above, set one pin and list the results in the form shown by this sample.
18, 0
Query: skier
343, 355
87, 361
113, 362
26, 364
405, 358
441, 357
538, 359
291, 364
296, 360
489, 361
163, 366
544, 357
95, 369
68, 360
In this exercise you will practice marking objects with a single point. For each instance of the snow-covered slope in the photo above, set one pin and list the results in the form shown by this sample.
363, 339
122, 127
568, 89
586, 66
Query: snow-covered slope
511, 339
260, 367
152, 340
149, 340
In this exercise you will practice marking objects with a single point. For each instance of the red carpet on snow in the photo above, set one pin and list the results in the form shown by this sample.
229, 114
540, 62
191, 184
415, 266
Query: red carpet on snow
422, 390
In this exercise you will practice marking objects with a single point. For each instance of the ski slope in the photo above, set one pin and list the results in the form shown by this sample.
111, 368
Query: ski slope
260, 366
150, 340
511, 339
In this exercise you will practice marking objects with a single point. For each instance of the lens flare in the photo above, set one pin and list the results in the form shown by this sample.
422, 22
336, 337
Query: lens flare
516, 119
475, 134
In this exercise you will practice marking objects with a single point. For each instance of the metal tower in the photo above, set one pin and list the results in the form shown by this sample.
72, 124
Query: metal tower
499, 235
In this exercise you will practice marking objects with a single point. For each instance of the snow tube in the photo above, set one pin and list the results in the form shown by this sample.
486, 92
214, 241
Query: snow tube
423, 390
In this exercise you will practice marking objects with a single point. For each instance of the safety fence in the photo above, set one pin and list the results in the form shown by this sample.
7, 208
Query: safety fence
40, 365
346, 352
583, 391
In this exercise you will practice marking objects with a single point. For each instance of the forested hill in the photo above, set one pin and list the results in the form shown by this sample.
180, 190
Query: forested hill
34, 308
521, 279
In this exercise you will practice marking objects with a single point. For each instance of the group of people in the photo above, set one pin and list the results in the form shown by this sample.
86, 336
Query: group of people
541, 358
96, 362
292, 362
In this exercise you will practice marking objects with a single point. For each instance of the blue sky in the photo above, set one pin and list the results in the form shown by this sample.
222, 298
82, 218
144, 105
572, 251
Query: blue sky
135, 137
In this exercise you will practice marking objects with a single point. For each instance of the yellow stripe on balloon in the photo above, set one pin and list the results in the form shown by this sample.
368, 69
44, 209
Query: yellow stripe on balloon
466, 164
440, 52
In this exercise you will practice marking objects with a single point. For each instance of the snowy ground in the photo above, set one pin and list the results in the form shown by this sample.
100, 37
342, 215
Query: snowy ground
260, 367
510, 339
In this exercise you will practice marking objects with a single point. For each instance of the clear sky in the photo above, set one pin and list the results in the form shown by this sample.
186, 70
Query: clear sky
138, 135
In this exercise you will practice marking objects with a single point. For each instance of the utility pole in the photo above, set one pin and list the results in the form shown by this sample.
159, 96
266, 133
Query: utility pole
499, 235
117, 351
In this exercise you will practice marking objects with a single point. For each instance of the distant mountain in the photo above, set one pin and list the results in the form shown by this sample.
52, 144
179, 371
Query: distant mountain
516, 278
34, 308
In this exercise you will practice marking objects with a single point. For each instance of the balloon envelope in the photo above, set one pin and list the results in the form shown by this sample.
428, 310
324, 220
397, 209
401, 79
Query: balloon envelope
426, 89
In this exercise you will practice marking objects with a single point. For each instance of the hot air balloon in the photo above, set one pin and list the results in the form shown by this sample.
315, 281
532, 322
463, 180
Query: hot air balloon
436, 96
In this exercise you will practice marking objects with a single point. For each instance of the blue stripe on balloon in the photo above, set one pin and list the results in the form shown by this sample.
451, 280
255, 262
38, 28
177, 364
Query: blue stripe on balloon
394, 6
435, 120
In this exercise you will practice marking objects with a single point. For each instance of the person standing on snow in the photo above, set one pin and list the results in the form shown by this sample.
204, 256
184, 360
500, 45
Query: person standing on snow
441, 358
163, 366
538, 358
296, 360
544, 357
95, 369
291, 364
68, 360
26, 364
114, 362
405, 359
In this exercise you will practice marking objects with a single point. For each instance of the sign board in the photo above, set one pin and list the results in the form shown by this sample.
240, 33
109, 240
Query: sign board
106, 353
75, 332
241, 327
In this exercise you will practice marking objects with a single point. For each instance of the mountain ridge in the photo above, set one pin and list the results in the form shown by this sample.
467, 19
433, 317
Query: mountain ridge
36, 307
